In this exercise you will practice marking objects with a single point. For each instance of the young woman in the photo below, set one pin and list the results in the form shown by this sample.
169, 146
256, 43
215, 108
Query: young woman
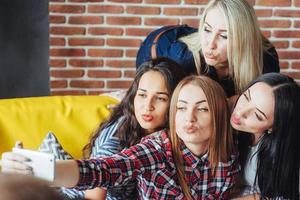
229, 46
143, 110
194, 160
267, 117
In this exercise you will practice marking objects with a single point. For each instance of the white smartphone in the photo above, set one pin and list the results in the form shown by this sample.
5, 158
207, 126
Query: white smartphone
43, 164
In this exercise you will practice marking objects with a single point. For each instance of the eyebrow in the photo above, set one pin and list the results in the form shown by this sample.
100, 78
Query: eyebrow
221, 30
256, 107
163, 93
198, 102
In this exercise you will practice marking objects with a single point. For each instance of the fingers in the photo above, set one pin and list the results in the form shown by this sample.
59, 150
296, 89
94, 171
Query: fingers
15, 163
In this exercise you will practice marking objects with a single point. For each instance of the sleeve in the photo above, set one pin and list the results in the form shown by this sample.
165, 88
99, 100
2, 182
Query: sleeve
230, 173
119, 168
106, 144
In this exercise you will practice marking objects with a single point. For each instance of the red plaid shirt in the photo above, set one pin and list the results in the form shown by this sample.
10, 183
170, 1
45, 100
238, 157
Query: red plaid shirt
151, 163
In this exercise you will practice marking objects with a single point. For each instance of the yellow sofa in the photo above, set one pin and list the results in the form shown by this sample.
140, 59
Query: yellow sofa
71, 118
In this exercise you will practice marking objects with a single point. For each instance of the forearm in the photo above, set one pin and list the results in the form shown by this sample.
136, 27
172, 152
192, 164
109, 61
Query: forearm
66, 173
248, 197
95, 194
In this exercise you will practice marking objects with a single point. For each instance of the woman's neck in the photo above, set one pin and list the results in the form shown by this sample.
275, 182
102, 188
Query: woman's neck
197, 149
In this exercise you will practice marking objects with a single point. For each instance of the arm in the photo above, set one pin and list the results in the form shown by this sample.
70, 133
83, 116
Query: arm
66, 173
248, 197
95, 194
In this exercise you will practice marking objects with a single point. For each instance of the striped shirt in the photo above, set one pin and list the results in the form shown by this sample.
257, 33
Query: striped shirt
106, 145
152, 164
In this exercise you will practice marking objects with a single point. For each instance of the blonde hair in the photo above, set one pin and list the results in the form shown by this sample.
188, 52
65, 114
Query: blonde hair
245, 41
220, 144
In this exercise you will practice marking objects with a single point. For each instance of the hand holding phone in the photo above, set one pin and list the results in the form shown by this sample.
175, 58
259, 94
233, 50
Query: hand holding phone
43, 164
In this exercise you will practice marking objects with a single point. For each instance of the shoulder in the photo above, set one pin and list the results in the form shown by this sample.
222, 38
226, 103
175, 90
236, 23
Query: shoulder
270, 60
157, 140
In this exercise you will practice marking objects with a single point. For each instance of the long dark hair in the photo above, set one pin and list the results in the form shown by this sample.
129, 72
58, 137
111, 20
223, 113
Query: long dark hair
277, 172
129, 130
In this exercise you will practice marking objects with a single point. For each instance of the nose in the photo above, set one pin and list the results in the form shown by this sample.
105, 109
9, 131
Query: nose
190, 116
212, 41
149, 104
242, 112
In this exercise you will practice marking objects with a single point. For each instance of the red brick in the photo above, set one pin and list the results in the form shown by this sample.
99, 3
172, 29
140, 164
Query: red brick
105, 53
68, 92
267, 34
58, 84
105, 9
163, 2
87, 84
297, 24
251, 2
181, 11
197, 2
85, 20
296, 44
295, 75
120, 63
286, 13
86, 42
297, 3
57, 63
296, 65
119, 84
263, 12
275, 23
126, 1
289, 54
143, 10
66, 8
54, 19
86, 0
123, 42
67, 52
85, 63
286, 34
131, 53
281, 44
284, 65
138, 31
129, 74
57, 41
123, 20
191, 22
67, 30
67, 73
160, 21
104, 74
274, 3
105, 31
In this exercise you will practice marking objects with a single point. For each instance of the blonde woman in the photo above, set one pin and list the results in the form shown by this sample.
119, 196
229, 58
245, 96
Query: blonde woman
195, 159
229, 46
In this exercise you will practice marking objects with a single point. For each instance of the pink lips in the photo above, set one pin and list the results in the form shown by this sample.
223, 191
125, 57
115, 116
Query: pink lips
190, 129
147, 118
210, 56
235, 120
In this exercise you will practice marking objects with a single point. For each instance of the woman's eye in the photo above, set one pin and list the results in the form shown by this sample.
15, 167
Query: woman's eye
180, 108
224, 36
258, 117
162, 99
142, 95
203, 109
207, 30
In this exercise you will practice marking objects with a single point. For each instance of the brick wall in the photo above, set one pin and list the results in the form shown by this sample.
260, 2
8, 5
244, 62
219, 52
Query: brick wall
93, 43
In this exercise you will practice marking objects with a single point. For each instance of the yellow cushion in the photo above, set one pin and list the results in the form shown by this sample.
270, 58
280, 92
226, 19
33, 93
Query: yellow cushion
72, 119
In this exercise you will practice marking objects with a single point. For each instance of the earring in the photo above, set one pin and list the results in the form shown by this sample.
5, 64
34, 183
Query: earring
269, 131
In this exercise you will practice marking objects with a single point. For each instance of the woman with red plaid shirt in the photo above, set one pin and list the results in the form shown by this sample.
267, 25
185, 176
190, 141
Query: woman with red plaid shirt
195, 159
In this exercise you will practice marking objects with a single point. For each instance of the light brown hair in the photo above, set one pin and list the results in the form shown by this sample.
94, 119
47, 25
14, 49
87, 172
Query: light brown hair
220, 144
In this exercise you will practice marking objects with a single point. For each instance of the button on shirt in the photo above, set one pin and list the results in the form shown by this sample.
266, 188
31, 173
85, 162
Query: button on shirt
152, 164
